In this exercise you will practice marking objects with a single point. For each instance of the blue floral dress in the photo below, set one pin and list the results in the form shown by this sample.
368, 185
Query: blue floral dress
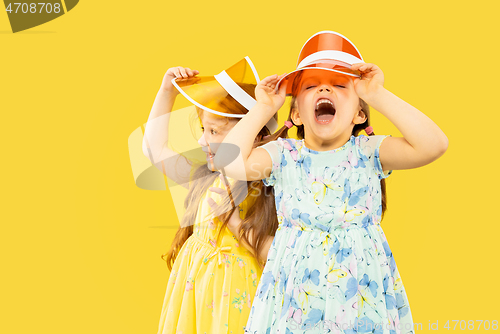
330, 268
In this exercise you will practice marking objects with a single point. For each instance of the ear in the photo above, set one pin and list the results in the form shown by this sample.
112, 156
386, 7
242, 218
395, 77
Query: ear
296, 117
360, 117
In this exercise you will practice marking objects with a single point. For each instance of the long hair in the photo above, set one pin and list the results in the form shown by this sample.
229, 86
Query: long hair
355, 132
283, 132
260, 221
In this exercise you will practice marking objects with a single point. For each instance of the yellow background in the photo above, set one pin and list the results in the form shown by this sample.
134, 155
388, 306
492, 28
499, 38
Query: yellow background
79, 247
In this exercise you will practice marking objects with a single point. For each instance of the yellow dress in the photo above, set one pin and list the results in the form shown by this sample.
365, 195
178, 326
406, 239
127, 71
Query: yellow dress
211, 286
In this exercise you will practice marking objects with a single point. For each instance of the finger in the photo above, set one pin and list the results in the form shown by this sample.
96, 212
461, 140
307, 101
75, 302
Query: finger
282, 76
264, 85
372, 66
363, 68
217, 190
368, 67
183, 72
282, 90
270, 78
178, 73
191, 72
272, 83
359, 67
175, 72
356, 66
212, 204
274, 80
278, 79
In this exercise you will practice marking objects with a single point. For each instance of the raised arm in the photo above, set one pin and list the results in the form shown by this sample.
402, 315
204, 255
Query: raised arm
251, 164
154, 145
422, 142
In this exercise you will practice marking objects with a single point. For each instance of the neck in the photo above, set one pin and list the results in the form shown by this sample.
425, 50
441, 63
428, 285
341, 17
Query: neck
318, 144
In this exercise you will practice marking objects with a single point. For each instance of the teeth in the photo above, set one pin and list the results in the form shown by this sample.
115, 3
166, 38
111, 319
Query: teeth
324, 101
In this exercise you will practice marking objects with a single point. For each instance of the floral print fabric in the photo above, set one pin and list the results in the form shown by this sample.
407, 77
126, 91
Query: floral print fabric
330, 268
212, 284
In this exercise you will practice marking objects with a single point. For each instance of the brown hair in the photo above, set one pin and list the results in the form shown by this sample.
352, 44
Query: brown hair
260, 220
355, 131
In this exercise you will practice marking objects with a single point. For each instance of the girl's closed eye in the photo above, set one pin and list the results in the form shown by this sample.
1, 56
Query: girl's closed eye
340, 83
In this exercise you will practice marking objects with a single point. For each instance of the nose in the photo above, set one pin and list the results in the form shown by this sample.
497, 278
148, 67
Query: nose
324, 88
202, 141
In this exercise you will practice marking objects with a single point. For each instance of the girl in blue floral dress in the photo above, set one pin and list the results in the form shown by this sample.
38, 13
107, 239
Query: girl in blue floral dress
330, 268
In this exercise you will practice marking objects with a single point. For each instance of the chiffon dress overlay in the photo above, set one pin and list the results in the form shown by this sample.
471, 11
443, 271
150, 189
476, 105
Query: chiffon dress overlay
330, 268
212, 284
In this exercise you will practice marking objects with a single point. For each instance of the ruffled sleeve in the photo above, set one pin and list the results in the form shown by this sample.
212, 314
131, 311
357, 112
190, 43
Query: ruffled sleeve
370, 147
275, 150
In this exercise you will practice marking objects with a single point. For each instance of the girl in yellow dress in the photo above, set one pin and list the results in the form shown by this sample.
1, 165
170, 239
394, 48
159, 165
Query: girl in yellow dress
217, 255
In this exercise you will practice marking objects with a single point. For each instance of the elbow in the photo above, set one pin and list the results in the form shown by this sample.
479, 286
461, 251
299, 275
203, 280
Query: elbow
442, 145
439, 147
146, 151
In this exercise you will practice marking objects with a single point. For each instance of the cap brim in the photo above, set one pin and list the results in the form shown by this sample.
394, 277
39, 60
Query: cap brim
325, 66
205, 93
208, 94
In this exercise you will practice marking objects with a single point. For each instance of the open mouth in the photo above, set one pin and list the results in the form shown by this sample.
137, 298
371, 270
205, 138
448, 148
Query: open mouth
324, 111
208, 153
210, 160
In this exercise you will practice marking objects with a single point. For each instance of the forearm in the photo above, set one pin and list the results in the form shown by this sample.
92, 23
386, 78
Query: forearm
244, 132
156, 131
242, 137
418, 130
